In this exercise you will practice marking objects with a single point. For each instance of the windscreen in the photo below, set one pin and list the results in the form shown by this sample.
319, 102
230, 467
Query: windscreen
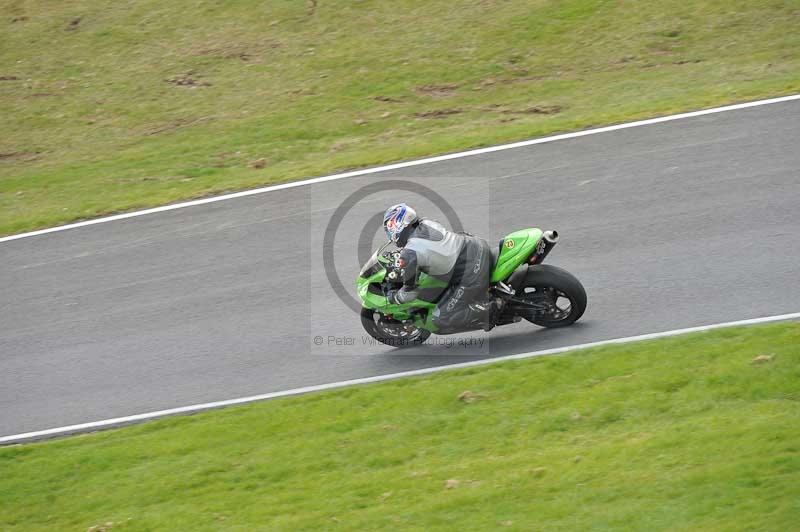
373, 265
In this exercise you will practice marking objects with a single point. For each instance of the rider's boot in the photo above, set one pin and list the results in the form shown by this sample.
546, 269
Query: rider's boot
494, 307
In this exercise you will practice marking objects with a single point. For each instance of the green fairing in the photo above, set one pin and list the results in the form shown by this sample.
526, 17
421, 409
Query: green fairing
368, 299
525, 241
377, 301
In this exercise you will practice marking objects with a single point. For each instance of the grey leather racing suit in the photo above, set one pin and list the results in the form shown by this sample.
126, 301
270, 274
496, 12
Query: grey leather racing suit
463, 261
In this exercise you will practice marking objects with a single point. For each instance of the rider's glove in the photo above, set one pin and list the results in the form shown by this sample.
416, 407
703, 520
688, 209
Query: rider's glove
391, 296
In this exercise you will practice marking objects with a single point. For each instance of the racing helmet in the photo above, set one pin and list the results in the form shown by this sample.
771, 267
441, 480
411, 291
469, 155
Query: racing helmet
397, 219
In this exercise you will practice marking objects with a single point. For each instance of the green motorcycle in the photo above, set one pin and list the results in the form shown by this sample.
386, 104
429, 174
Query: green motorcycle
523, 287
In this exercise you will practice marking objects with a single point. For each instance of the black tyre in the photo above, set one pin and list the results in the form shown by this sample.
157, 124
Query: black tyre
563, 292
391, 332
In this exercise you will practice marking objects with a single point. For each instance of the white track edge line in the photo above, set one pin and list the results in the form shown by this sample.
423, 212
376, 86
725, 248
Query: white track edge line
405, 164
119, 421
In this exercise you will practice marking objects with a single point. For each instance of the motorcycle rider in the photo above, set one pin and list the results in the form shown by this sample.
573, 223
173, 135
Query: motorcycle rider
462, 261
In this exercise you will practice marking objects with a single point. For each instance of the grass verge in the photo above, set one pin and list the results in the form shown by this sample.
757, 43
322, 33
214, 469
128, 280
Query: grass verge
111, 106
686, 433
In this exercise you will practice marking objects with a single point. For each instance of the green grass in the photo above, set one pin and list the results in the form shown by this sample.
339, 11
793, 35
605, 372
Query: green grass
687, 433
289, 89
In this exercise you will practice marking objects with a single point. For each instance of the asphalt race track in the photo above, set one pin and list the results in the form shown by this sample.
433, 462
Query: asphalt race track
684, 223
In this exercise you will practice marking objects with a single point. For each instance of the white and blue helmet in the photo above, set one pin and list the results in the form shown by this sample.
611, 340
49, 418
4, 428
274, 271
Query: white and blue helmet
396, 219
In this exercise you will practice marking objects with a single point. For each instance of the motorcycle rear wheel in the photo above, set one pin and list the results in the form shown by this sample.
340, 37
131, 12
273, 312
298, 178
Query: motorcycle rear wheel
391, 332
563, 290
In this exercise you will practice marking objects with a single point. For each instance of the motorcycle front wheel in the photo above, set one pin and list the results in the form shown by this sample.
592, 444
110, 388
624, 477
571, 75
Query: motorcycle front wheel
391, 332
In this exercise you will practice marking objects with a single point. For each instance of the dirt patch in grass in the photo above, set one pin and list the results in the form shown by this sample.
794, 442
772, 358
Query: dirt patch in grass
534, 110
762, 359
387, 99
438, 113
19, 156
470, 397
74, 24
687, 62
530, 110
437, 91
187, 80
